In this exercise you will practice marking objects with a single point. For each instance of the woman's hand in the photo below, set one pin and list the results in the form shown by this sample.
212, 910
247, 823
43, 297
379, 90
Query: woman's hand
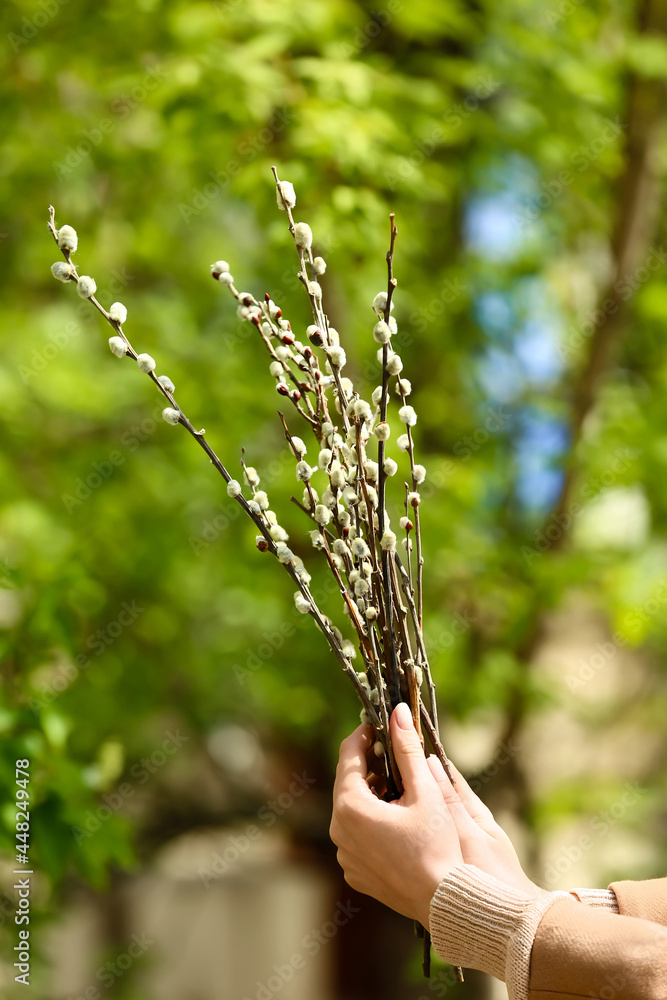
396, 851
483, 843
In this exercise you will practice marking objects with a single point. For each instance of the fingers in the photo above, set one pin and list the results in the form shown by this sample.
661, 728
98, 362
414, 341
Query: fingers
460, 797
352, 769
408, 750
474, 805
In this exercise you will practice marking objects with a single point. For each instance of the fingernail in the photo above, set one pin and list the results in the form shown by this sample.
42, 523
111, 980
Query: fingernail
403, 716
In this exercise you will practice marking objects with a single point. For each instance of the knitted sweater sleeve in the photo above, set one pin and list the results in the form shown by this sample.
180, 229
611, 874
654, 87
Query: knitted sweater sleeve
551, 947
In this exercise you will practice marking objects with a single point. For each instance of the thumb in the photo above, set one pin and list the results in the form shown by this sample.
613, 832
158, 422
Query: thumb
408, 750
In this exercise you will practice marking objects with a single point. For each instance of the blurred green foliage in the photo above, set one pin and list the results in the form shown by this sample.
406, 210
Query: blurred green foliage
151, 127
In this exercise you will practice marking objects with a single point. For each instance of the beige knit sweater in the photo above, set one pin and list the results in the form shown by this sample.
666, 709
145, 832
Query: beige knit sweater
557, 946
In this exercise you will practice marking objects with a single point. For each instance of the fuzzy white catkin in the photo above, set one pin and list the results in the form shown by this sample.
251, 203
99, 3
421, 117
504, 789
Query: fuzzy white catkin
146, 363
324, 458
315, 289
381, 332
390, 467
165, 381
278, 534
67, 238
407, 544
303, 235
301, 603
382, 431
316, 539
233, 488
254, 507
419, 474
226, 278
337, 356
377, 395
350, 496
348, 649
319, 265
322, 514
394, 365
371, 470
403, 442
276, 369
284, 554
172, 416
362, 409
117, 346
340, 547
302, 471
403, 387
388, 541
406, 523
380, 303
118, 312
414, 499
329, 499
407, 415
61, 270
285, 195
86, 286
251, 476
307, 502
338, 478
334, 337
299, 446
219, 267
359, 548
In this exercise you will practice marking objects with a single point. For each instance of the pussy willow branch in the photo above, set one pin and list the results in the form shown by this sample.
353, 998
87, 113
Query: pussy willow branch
314, 611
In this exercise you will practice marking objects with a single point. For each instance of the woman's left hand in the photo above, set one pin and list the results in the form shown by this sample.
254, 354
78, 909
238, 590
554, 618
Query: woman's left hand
396, 851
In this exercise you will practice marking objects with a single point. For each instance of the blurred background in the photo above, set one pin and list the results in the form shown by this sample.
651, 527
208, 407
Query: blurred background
182, 721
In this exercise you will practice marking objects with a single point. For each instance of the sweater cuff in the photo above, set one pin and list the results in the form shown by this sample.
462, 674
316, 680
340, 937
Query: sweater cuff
599, 899
479, 922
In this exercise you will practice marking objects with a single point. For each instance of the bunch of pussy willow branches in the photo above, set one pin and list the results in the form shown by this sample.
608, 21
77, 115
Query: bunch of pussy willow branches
344, 490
